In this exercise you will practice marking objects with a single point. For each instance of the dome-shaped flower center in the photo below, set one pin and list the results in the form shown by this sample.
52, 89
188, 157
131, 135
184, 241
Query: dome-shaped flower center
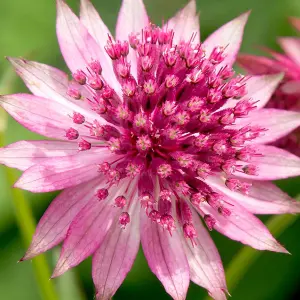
170, 127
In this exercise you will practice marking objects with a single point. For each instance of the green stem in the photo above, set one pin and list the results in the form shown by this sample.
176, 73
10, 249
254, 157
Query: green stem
247, 256
26, 224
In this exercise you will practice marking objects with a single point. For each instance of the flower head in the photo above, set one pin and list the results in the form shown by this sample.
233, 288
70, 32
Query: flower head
287, 94
152, 131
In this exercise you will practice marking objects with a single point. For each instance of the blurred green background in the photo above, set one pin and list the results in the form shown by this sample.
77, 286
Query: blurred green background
27, 28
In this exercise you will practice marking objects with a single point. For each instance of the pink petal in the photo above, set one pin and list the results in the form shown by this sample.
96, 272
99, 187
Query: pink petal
295, 22
228, 36
48, 82
291, 46
132, 18
244, 227
166, 257
88, 230
206, 267
277, 122
115, 257
40, 115
94, 24
78, 47
259, 88
56, 174
275, 163
54, 224
24, 154
185, 23
259, 65
263, 197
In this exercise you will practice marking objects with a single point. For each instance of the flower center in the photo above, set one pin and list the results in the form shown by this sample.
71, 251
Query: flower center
169, 127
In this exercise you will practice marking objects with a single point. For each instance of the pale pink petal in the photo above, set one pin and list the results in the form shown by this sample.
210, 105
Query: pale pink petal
88, 230
259, 88
185, 23
295, 22
263, 197
243, 227
275, 163
93, 22
166, 257
259, 65
24, 154
206, 267
291, 47
277, 122
78, 47
132, 18
228, 36
68, 171
53, 226
48, 82
41, 115
115, 257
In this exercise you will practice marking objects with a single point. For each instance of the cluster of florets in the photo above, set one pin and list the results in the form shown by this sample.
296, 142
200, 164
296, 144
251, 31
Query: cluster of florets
169, 125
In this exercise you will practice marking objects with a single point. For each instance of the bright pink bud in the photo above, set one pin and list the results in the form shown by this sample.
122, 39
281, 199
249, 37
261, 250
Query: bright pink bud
210, 222
72, 134
104, 167
95, 83
164, 170
124, 219
168, 223
102, 194
74, 93
79, 77
95, 66
84, 145
189, 232
150, 86
155, 216
143, 144
78, 118
120, 201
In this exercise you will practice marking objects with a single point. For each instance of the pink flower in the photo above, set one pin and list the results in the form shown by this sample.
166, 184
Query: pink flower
152, 131
287, 94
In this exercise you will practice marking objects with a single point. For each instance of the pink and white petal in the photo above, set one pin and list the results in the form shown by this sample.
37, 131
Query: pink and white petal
68, 171
132, 17
275, 163
54, 224
244, 227
259, 88
206, 267
295, 22
263, 197
185, 23
116, 254
41, 115
24, 154
259, 65
277, 122
166, 257
78, 47
48, 82
228, 36
88, 230
94, 24
291, 46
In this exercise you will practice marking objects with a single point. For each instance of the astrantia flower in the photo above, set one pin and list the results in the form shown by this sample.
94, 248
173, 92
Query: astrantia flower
153, 132
287, 95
